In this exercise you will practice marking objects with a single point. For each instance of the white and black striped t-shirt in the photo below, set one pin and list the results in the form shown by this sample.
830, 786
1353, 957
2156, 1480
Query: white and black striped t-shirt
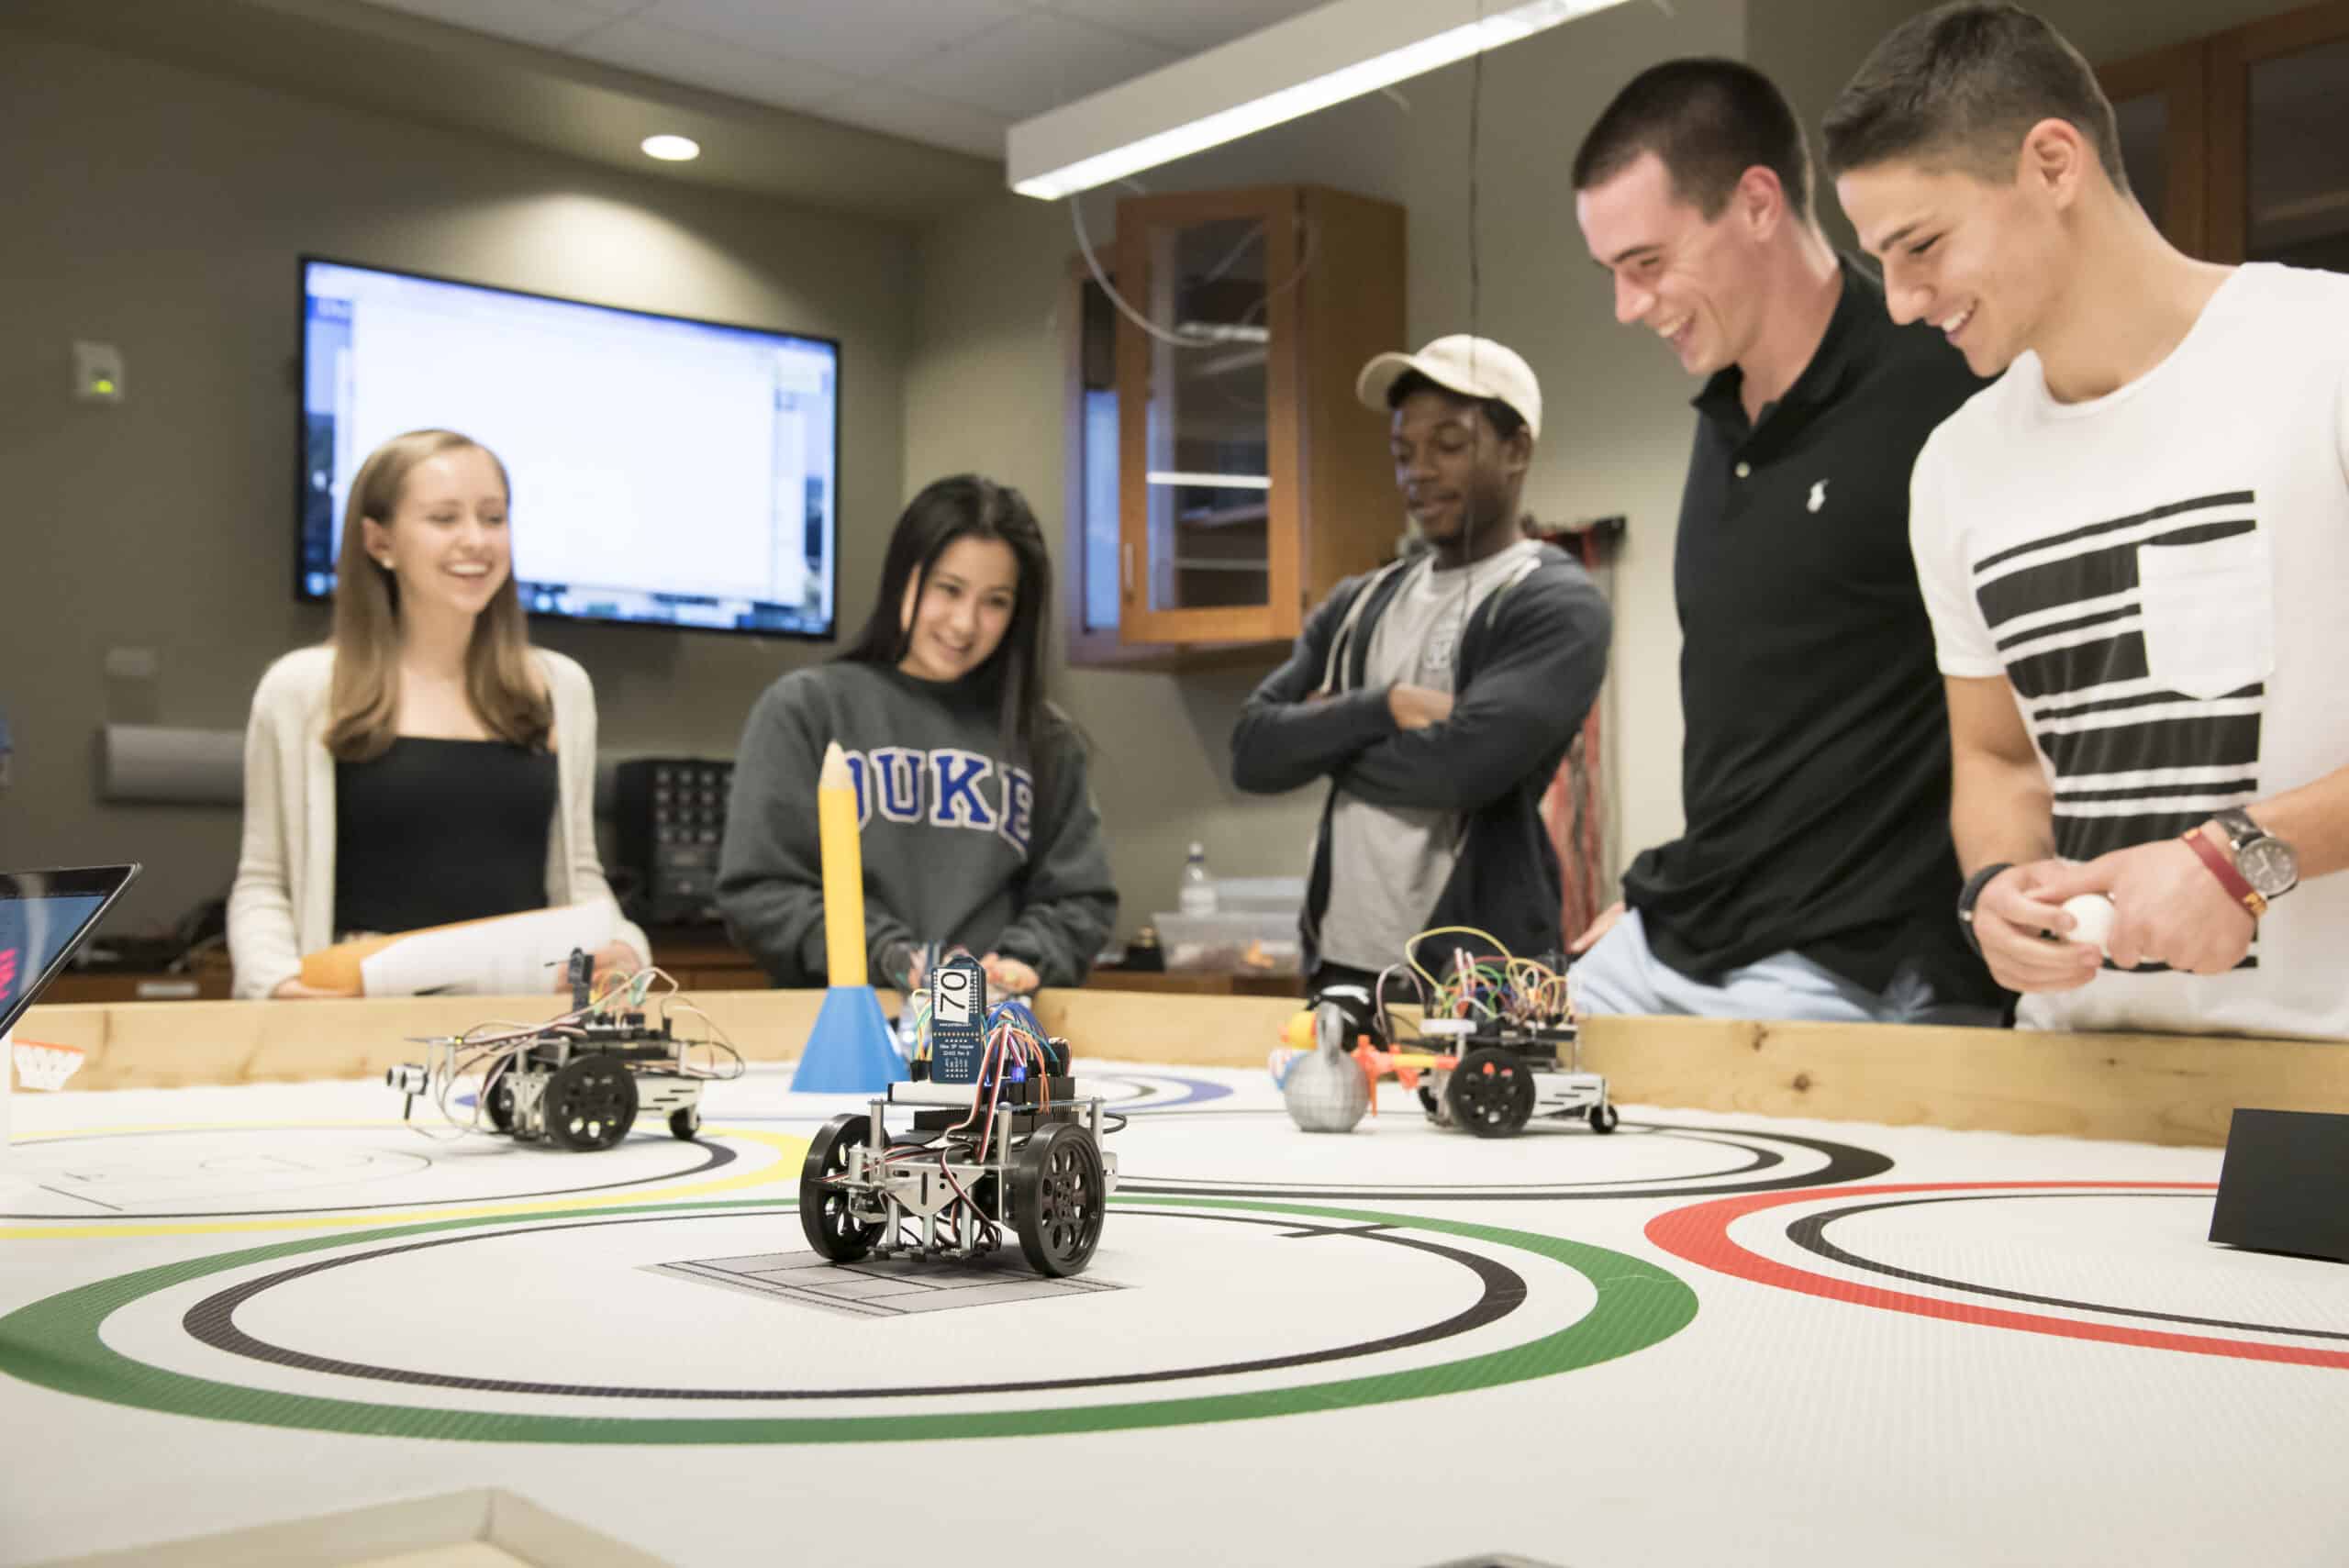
2163, 574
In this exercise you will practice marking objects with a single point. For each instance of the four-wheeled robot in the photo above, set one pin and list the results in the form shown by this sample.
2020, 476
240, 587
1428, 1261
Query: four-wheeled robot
999, 1139
578, 1082
1497, 1077
1496, 1044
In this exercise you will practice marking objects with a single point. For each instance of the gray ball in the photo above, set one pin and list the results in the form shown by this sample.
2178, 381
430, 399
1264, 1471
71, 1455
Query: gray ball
1325, 1091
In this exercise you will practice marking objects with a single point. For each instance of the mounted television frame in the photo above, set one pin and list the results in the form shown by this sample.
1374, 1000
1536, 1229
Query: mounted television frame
710, 590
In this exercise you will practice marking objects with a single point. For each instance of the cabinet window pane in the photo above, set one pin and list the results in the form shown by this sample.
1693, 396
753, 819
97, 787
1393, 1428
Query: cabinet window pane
1097, 430
1100, 510
2299, 159
2144, 126
1208, 437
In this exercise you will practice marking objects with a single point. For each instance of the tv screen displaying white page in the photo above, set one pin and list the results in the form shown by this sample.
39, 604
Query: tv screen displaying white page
665, 471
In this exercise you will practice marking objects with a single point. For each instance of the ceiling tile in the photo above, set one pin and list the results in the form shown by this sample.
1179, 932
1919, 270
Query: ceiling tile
546, 23
861, 37
918, 117
1034, 63
636, 44
1187, 27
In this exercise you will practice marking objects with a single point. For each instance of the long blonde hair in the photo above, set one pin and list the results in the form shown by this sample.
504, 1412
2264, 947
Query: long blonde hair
498, 679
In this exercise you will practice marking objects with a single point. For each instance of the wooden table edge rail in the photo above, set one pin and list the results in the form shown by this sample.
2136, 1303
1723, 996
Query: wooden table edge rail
2144, 1088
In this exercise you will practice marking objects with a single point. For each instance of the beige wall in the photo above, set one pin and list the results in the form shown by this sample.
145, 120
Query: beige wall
162, 210
983, 391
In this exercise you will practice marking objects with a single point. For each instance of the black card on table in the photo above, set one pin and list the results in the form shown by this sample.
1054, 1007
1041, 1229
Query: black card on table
2285, 1186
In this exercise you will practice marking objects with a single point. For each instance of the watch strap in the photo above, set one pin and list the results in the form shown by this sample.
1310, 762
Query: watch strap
2239, 828
2224, 868
1972, 894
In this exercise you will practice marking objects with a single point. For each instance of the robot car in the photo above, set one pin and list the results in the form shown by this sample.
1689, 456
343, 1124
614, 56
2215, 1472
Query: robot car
999, 1140
1498, 1076
1497, 1042
578, 1082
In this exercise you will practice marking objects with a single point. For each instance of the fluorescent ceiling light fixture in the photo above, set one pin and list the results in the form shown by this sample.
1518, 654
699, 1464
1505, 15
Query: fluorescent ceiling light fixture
1325, 56
1207, 480
671, 149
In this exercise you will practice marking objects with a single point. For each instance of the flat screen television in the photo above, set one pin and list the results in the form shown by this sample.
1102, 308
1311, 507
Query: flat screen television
666, 471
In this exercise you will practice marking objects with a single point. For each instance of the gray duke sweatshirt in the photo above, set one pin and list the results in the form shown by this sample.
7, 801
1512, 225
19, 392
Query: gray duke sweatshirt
961, 845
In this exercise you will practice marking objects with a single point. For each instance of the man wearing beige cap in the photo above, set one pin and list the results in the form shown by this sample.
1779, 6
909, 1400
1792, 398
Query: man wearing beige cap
1437, 695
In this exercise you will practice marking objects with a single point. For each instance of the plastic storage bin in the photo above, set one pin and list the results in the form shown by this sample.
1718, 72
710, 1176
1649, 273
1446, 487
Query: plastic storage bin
1260, 895
1230, 942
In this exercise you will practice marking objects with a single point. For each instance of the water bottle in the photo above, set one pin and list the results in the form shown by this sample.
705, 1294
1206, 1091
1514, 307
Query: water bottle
1198, 893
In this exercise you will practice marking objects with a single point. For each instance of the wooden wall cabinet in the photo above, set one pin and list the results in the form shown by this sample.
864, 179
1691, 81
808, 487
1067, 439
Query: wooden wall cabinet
1247, 479
2158, 99
2238, 143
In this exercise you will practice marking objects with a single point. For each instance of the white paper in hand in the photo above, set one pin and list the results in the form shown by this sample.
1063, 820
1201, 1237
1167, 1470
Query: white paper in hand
513, 955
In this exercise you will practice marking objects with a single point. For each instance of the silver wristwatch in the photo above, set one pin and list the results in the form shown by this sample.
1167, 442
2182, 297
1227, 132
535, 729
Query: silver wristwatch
2267, 862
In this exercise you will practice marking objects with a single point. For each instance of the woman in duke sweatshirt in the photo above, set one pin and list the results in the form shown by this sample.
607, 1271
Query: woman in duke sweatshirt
978, 829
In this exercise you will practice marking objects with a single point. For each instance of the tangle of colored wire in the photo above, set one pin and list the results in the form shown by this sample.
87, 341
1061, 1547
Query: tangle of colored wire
1015, 1036
493, 1055
1500, 988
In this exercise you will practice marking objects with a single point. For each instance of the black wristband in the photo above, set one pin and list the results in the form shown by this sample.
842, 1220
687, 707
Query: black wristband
1970, 893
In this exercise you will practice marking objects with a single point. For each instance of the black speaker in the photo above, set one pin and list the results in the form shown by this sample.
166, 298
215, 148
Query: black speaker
671, 813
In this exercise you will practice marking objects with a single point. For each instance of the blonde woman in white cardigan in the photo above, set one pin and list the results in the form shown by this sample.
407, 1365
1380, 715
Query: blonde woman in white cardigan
427, 765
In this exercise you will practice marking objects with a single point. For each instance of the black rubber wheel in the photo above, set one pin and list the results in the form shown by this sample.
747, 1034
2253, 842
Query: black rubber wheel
823, 1207
1603, 1118
1059, 1196
1491, 1093
686, 1122
590, 1102
1428, 1103
500, 1104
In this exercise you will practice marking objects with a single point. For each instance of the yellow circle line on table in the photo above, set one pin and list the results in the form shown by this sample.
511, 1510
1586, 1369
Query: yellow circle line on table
788, 1145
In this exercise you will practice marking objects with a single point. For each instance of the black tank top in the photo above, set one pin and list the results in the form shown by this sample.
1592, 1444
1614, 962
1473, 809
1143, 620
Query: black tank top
436, 831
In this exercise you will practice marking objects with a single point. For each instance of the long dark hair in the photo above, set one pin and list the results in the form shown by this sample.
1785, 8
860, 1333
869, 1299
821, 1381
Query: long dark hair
967, 505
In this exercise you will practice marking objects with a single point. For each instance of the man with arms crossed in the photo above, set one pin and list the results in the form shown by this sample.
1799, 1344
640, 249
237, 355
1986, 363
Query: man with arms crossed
2135, 546
1815, 878
1438, 694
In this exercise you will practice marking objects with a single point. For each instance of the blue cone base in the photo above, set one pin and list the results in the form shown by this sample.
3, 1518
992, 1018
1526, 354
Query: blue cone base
851, 1051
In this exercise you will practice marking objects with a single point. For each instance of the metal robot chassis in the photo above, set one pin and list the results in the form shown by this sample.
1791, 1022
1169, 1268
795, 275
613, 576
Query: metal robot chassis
1508, 1074
575, 1093
1045, 1177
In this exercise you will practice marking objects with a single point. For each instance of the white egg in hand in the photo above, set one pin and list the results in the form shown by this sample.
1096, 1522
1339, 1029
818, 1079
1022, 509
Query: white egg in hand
2091, 916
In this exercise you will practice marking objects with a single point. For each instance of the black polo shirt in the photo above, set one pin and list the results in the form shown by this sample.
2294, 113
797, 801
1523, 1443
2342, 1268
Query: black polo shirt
1815, 773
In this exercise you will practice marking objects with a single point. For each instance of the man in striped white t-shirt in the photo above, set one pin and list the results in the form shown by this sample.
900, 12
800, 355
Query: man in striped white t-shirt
2134, 547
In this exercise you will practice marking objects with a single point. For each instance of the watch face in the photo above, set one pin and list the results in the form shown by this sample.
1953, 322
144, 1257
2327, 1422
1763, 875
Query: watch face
2269, 865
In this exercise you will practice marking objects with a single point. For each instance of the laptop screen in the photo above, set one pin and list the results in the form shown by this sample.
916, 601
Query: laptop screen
44, 915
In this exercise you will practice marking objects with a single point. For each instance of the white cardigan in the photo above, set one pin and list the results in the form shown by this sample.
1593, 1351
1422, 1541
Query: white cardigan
282, 904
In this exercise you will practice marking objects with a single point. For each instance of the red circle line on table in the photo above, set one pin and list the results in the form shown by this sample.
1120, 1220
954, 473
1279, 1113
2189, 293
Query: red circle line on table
1700, 1235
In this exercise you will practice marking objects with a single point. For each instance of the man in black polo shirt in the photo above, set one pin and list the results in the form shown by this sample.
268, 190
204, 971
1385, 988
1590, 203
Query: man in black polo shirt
1816, 875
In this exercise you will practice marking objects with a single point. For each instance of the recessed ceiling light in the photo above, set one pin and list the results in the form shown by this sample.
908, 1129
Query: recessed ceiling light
671, 149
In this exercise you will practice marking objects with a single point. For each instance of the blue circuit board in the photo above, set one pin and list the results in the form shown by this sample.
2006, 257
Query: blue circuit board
958, 1021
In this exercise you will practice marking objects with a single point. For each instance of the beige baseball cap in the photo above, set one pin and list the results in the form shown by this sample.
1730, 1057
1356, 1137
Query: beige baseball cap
1473, 367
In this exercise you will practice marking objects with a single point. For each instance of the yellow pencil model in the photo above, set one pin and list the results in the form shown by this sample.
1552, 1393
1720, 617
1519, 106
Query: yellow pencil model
843, 869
